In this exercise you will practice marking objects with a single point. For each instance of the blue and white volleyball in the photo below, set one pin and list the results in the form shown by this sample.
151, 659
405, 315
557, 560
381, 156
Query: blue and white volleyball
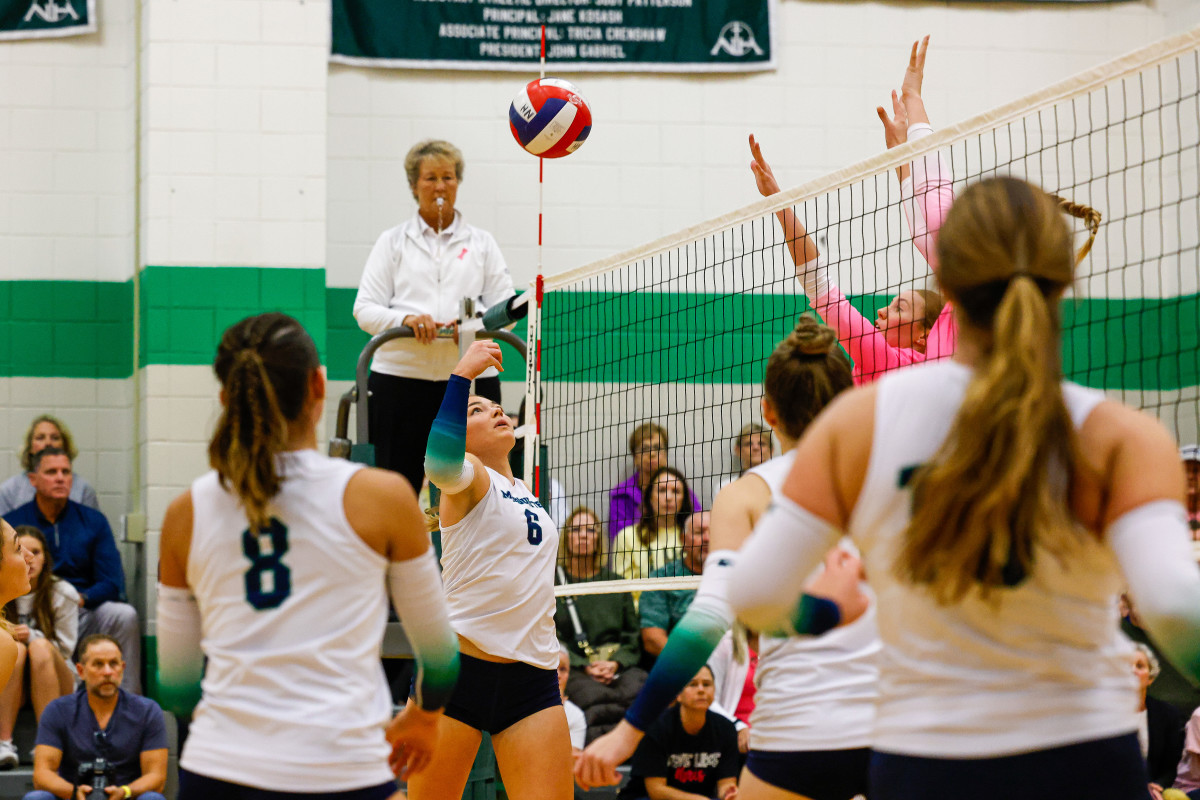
550, 118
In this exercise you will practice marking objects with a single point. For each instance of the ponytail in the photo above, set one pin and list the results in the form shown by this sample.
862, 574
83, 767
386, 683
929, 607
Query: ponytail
263, 364
995, 493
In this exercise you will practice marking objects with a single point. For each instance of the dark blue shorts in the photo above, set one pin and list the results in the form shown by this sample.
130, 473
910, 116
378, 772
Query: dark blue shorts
491, 697
1102, 769
818, 774
198, 787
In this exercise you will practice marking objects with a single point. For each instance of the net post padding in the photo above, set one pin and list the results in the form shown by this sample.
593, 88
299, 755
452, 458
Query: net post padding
1081, 83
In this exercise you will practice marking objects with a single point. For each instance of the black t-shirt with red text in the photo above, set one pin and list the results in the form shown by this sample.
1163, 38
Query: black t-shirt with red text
689, 763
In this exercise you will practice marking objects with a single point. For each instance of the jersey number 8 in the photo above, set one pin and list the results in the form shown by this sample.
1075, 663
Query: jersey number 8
268, 581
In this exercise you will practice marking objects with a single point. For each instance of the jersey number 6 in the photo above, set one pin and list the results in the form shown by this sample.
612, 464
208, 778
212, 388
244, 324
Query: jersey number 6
533, 531
268, 581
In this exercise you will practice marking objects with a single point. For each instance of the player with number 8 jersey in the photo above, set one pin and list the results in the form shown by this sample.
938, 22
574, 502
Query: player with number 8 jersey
275, 568
498, 553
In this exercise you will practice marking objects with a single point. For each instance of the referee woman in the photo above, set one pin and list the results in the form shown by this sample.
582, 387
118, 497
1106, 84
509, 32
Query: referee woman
417, 275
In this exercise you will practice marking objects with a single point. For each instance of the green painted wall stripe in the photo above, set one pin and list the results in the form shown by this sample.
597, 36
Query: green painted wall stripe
184, 310
1151, 344
66, 329
598, 337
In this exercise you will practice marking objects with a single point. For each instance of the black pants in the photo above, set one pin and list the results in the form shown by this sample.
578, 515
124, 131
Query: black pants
401, 412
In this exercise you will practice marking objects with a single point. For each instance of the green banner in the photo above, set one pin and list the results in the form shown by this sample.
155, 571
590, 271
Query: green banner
34, 19
581, 35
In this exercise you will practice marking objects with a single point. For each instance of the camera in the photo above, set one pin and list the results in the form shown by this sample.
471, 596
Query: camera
97, 774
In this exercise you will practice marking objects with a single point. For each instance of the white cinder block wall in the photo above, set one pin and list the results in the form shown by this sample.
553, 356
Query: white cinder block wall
233, 175
67, 156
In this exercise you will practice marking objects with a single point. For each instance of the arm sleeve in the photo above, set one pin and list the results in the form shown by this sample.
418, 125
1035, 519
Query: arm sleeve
926, 196
372, 304
766, 587
416, 588
868, 348
446, 454
180, 660
108, 576
690, 643
1153, 546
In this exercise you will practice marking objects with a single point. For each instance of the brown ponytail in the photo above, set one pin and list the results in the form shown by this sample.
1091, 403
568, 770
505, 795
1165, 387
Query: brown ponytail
263, 363
1090, 216
804, 372
990, 497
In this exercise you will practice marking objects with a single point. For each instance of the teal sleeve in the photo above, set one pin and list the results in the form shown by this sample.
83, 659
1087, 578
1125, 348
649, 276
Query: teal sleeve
180, 663
446, 451
687, 650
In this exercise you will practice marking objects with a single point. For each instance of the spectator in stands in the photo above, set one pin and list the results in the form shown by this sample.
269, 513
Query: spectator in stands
85, 555
1170, 685
690, 752
1160, 728
1191, 463
47, 622
101, 721
45, 431
1187, 775
604, 650
653, 540
754, 446
576, 722
661, 611
417, 276
648, 447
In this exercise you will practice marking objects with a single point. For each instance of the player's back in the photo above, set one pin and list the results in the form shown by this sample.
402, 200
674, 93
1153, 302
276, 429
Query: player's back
293, 619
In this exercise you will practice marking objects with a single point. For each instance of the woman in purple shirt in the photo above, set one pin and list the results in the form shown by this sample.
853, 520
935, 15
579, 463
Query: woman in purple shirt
648, 446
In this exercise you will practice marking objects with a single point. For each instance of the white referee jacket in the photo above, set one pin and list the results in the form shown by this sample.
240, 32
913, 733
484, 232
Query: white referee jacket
413, 270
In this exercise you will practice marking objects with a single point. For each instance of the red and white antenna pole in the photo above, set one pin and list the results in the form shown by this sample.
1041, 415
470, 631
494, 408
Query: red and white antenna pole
533, 366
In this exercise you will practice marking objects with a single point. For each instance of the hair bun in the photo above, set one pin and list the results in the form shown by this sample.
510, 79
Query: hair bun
811, 337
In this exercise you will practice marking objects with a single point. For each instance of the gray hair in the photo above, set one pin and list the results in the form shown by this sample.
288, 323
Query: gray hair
431, 147
1151, 659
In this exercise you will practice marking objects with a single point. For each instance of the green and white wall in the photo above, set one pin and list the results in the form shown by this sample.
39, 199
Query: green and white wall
198, 160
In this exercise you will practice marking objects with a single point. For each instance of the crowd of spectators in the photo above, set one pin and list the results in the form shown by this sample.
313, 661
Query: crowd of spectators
77, 589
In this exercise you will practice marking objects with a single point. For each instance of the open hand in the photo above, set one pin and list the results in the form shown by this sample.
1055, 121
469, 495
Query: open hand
412, 734
895, 128
915, 73
763, 177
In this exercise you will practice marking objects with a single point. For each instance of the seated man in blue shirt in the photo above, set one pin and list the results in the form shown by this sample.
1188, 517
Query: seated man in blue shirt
661, 611
85, 555
104, 729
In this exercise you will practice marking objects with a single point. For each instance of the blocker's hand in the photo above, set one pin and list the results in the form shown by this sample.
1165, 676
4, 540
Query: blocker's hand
482, 354
412, 734
597, 764
764, 178
915, 73
895, 128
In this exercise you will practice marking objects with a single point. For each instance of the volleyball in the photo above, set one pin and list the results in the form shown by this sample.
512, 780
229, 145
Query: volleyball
550, 118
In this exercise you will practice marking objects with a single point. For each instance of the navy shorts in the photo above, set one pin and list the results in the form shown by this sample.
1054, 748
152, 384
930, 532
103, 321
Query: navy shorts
818, 774
1102, 769
491, 697
198, 787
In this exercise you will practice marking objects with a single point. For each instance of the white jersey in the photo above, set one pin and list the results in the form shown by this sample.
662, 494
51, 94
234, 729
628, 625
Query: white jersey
294, 693
498, 572
1041, 665
814, 692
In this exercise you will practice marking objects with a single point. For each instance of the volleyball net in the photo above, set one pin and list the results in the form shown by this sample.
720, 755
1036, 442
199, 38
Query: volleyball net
677, 333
